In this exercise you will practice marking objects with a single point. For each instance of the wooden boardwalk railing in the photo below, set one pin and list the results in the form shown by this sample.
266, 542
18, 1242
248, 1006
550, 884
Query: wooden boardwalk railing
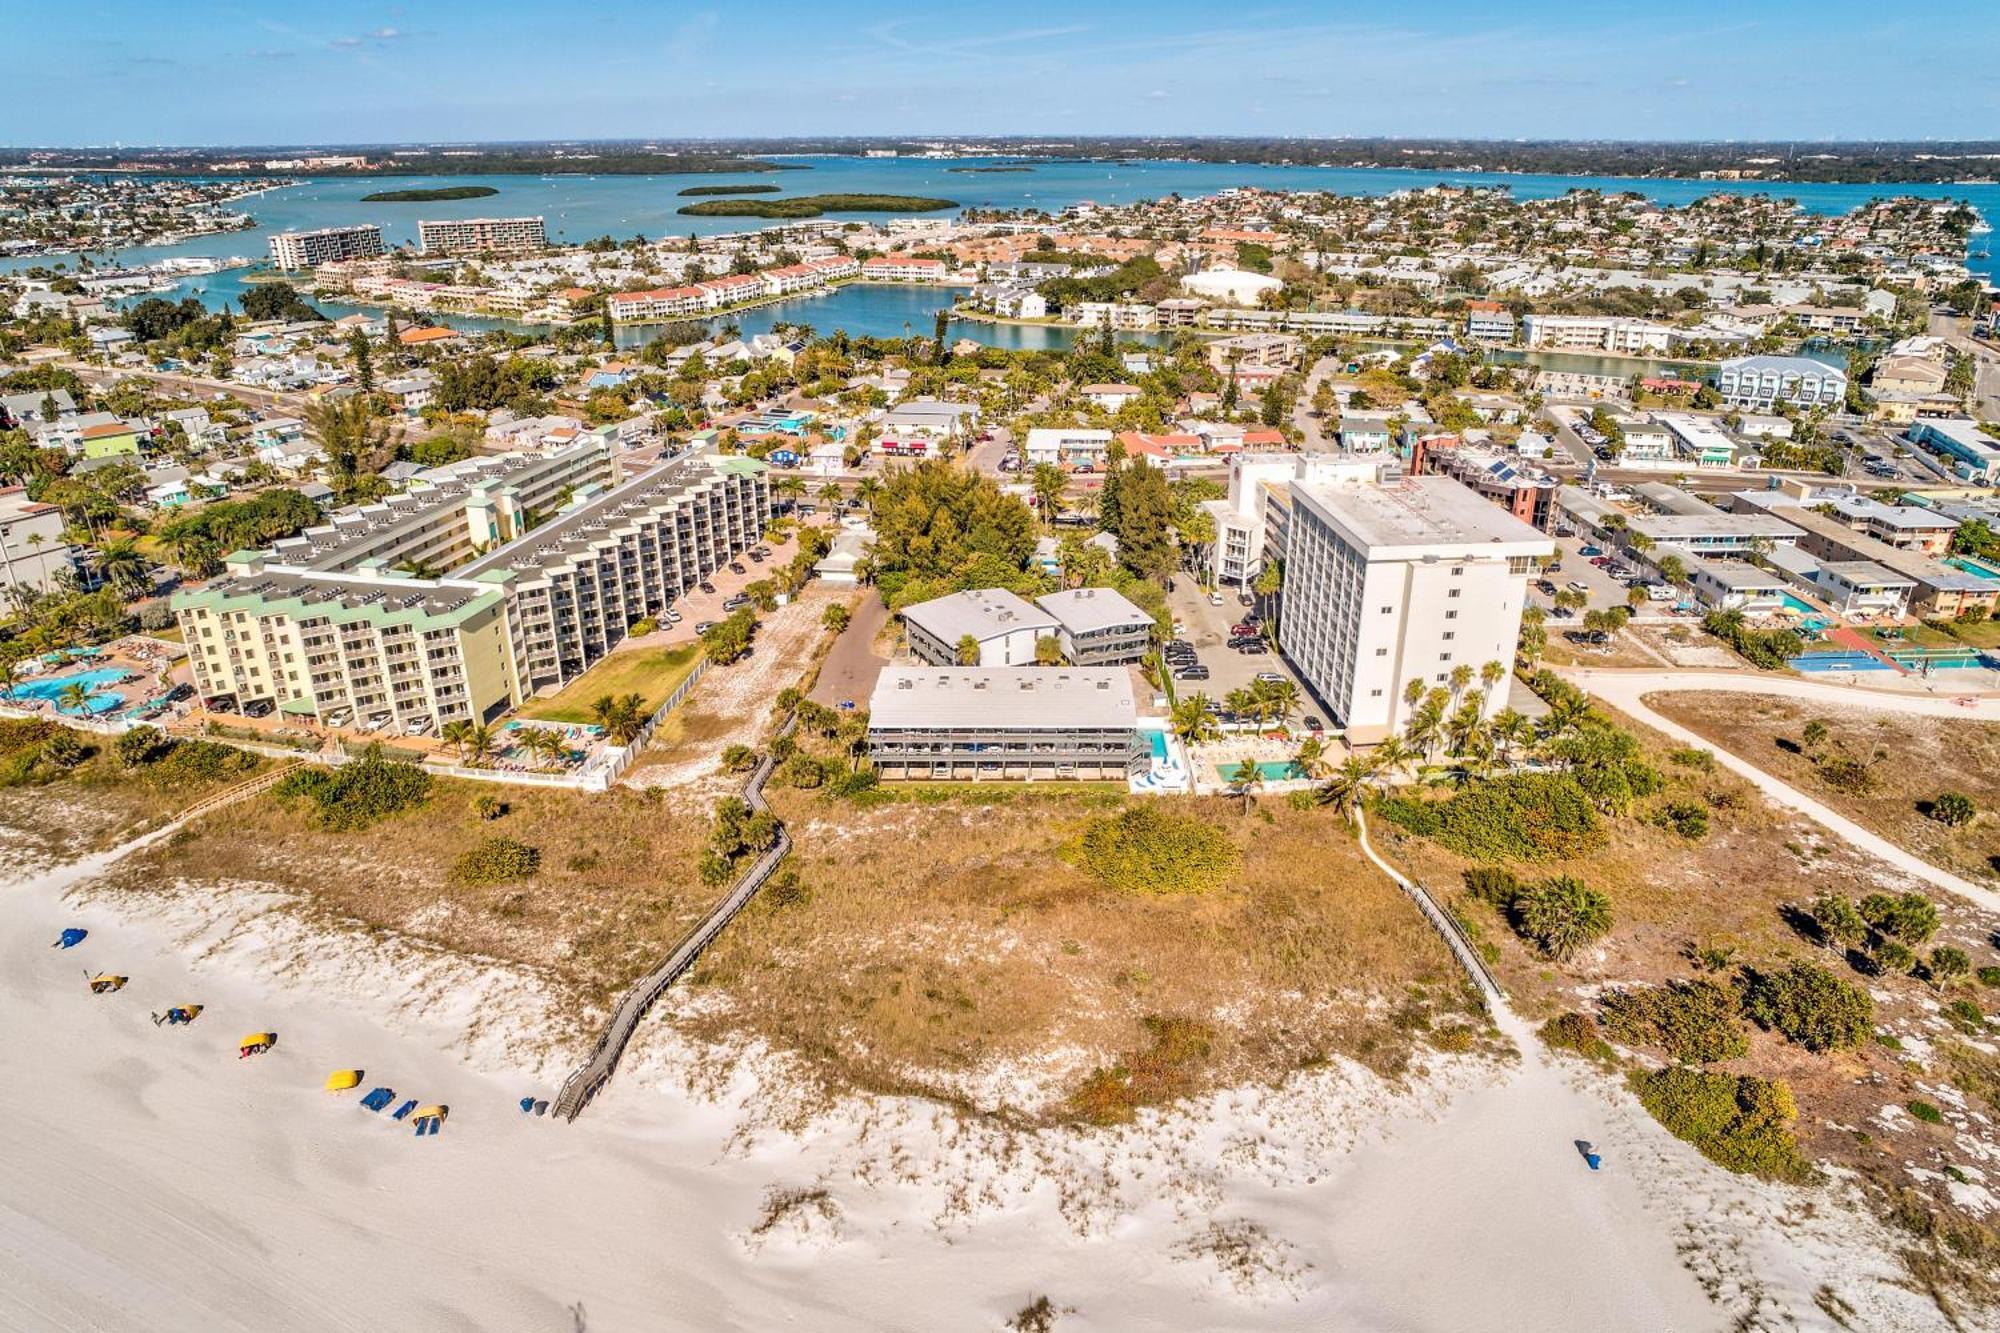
242, 790
1441, 921
581, 1086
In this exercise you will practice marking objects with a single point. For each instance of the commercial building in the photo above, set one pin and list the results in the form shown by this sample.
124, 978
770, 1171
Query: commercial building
1251, 520
328, 626
1971, 454
1595, 333
1678, 519
292, 250
1021, 723
472, 236
1385, 584
1906, 527
1699, 440
1761, 382
1526, 493
1937, 589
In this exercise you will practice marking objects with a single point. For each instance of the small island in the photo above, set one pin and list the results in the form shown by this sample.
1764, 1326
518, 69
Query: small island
977, 171
429, 196
813, 205
730, 189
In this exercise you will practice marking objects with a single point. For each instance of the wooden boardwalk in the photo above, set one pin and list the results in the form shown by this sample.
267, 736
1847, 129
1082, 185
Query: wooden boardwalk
581, 1086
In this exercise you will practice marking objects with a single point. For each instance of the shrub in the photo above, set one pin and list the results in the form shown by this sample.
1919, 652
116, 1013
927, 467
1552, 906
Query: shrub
646, 625
1910, 917
1160, 1073
1692, 757
1844, 773
1694, 1022
1966, 1016
739, 758
1687, 818
358, 794
488, 806
1411, 815
1560, 916
1925, 1112
1519, 817
1954, 810
1891, 958
64, 749
1147, 850
141, 746
188, 763
1492, 884
855, 784
1740, 1123
805, 771
1576, 1032
1946, 965
1809, 1005
496, 861
1988, 976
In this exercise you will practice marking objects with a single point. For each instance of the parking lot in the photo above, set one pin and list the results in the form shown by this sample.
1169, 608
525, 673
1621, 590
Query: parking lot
1207, 631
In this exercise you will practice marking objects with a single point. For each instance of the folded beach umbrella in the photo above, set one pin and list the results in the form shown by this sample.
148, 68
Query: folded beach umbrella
256, 1044
106, 982
71, 937
340, 1080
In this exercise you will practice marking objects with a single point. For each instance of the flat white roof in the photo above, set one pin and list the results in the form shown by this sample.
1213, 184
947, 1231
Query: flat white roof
1421, 515
1010, 698
981, 612
1082, 610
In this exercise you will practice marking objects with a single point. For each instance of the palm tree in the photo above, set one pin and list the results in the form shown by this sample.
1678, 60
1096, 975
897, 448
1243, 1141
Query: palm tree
1425, 729
1461, 676
1510, 729
73, 697
1310, 757
1049, 483
120, 565
967, 650
1492, 674
1391, 755
622, 716
545, 743
1346, 785
1247, 777
1283, 699
867, 489
1192, 721
475, 742
355, 439
830, 495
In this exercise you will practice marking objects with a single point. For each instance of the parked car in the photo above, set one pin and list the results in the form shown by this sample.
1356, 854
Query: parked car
1588, 551
731, 603
1246, 629
1577, 585
703, 626
1314, 724
1192, 673
180, 692
221, 703
1256, 649
259, 708
1270, 676
736, 567
706, 586
1546, 587
1215, 599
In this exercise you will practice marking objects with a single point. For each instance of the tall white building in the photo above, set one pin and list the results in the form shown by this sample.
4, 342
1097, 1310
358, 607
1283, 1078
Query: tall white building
500, 236
1251, 520
1385, 584
310, 249
1596, 333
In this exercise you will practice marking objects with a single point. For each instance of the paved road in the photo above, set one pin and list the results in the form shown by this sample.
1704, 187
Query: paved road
1626, 690
1986, 376
289, 404
1316, 432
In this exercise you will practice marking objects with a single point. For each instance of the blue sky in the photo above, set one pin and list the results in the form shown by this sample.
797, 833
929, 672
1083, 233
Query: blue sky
199, 73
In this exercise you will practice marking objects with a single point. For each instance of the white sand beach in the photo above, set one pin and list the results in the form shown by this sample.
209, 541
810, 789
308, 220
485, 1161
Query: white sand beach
154, 1180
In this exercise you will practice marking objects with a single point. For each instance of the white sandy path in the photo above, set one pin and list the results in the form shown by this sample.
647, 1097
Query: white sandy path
1627, 690
152, 1180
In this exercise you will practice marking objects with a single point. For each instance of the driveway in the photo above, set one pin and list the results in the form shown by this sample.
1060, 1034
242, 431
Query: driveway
1208, 630
852, 665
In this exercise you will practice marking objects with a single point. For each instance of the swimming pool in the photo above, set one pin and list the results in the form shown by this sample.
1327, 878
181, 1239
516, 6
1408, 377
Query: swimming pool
1158, 740
51, 687
1794, 604
1271, 770
1978, 568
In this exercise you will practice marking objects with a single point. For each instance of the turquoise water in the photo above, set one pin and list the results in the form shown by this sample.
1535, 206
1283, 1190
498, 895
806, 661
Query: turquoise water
1271, 770
51, 687
1158, 740
1972, 566
1803, 608
577, 208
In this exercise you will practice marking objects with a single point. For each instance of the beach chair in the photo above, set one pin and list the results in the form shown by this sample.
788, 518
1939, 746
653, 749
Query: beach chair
404, 1109
378, 1098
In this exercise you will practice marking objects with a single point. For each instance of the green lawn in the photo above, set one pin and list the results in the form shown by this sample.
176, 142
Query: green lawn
652, 673
1976, 634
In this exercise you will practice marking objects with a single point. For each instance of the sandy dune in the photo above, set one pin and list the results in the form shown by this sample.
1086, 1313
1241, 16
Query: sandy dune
152, 1180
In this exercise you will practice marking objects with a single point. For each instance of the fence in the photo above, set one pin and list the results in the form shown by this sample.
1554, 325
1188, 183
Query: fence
1441, 921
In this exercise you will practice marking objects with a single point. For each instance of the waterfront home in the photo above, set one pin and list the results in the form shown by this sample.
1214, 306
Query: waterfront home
904, 268
1110, 397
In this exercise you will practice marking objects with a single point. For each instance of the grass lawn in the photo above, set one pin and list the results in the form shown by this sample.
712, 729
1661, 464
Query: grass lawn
1910, 636
652, 673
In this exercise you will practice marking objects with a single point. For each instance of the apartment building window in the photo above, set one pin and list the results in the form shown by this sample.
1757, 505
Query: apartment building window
1381, 652
1449, 635
1444, 657
1451, 615
1455, 591
1456, 570
1388, 610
